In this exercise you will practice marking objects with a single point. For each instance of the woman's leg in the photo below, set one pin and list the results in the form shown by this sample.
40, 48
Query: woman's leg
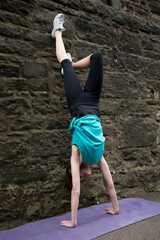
60, 49
83, 63
95, 77
102, 164
72, 85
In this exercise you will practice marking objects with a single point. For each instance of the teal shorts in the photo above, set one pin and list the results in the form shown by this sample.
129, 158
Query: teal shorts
87, 134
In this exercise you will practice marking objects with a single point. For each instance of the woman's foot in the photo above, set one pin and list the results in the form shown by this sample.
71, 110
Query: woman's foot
58, 24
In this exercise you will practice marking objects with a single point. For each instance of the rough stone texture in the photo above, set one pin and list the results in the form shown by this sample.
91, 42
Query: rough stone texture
135, 131
35, 144
48, 144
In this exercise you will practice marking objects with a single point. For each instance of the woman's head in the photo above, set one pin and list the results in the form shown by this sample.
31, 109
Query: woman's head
85, 171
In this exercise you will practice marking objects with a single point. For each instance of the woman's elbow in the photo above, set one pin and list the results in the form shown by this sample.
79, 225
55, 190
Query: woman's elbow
76, 191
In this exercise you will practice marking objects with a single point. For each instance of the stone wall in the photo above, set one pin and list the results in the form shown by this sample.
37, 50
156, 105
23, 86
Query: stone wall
34, 117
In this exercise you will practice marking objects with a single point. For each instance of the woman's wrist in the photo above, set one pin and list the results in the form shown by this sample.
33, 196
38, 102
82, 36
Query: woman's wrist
116, 209
74, 223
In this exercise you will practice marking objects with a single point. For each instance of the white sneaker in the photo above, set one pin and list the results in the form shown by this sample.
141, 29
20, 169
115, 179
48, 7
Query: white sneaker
70, 58
58, 24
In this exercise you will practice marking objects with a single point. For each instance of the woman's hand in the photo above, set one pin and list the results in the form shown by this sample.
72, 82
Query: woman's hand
68, 224
111, 211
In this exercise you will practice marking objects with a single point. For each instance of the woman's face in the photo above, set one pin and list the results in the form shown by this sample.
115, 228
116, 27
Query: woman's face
85, 173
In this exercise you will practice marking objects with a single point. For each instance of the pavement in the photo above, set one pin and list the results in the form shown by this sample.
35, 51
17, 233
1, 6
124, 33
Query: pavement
148, 229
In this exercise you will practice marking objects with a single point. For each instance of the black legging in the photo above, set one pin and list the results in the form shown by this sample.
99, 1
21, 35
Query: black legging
83, 102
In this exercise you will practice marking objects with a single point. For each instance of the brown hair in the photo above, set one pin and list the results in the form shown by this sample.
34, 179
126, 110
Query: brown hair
68, 178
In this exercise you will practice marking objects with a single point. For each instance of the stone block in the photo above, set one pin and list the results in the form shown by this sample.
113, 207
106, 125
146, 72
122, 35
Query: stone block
155, 153
110, 107
154, 70
58, 123
15, 19
132, 62
47, 5
73, 4
88, 6
147, 44
57, 85
50, 144
138, 106
22, 175
91, 32
1, 85
128, 180
49, 53
149, 27
133, 106
118, 17
119, 87
51, 5
45, 105
149, 89
144, 26
33, 209
3, 125
4, 94
26, 123
17, 7
135, 131
34, 70
150, 70
69, 32
135, 192
26, 85
63, 2
131, 22
130, 43
11, 151
102, 11
154, 8
9, 71
40, 21
116, 59
16, 107
15, 47
135, 158
9, 58
152, 55
63, 106
149, 174
155, 28
38, 39
10, 32
109, 130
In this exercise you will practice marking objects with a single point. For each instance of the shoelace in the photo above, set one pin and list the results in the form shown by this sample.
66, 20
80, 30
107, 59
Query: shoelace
61, 20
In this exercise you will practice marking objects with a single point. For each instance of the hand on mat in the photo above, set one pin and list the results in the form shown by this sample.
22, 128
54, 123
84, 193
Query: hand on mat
111, 211
68, 224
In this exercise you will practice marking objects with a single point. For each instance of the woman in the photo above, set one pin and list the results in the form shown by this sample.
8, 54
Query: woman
87, 134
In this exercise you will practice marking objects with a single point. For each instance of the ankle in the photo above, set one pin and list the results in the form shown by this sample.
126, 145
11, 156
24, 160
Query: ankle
58, 32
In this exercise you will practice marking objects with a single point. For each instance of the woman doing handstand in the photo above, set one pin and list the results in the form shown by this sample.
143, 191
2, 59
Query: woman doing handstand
85, 127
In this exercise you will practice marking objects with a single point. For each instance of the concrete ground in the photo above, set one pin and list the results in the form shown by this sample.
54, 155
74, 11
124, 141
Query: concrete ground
148, 229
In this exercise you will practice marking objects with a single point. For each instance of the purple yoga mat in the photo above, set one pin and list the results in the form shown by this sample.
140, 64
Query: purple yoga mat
92, 222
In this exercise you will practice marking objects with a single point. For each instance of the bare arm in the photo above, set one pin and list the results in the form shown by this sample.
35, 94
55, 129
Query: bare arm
75, 189
109, 185
75, 193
